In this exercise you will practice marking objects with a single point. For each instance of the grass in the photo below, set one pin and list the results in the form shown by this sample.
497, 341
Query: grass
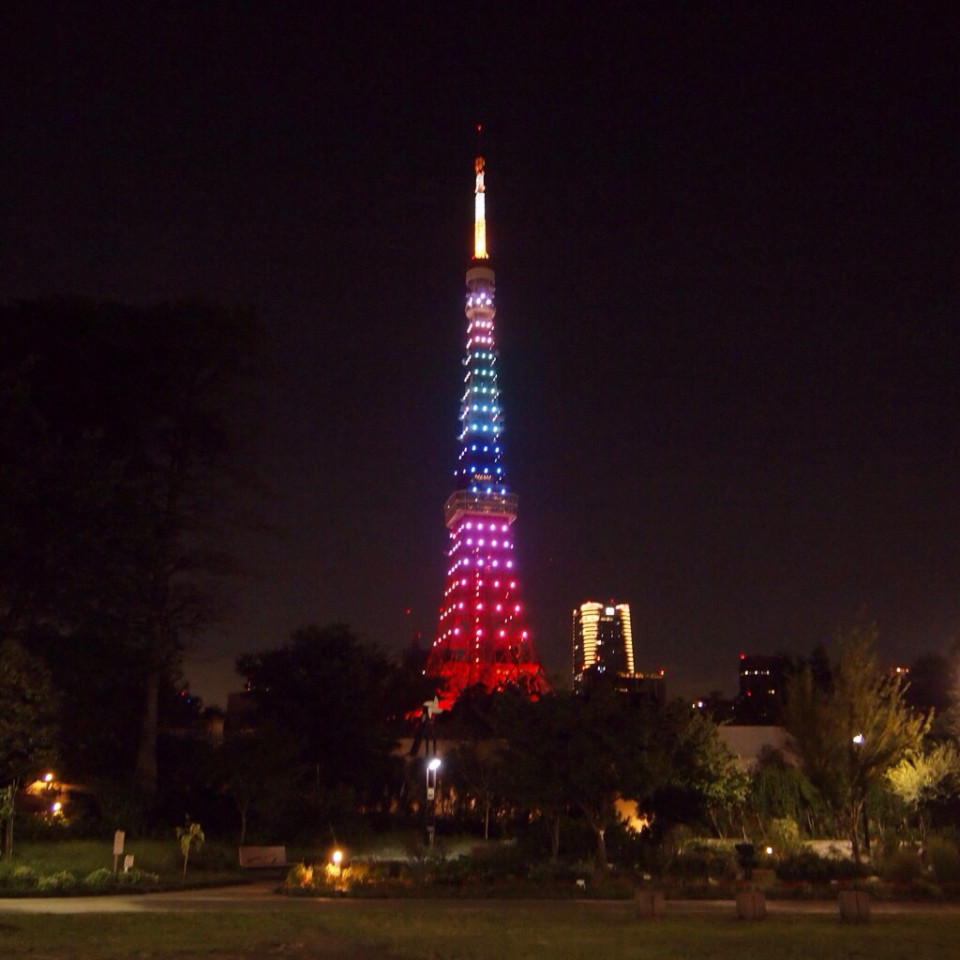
340, 930
214, 863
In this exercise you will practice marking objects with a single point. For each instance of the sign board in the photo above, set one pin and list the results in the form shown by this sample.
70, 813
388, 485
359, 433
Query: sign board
118, 843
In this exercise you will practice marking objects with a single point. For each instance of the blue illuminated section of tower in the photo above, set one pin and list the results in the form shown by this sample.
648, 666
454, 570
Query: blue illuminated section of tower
482, 636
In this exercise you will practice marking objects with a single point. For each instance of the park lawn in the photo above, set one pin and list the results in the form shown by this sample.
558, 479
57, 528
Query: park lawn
504, 930
214, 862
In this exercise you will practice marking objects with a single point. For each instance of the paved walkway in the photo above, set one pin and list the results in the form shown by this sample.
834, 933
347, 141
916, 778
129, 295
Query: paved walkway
262, 896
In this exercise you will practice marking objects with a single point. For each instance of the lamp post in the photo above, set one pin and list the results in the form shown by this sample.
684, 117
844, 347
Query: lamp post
858, 740
433, 765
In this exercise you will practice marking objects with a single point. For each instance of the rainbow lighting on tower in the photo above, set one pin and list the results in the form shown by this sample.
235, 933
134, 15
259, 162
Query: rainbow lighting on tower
482, 636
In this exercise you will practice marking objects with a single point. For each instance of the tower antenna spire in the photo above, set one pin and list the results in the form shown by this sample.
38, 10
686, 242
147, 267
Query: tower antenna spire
479, 207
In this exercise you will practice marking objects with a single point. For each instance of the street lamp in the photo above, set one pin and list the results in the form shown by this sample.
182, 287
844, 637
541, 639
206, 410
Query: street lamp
432, 767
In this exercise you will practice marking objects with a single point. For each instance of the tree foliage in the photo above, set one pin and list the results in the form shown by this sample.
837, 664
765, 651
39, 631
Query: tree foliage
118, 442
332, 697
850, 732
28, 725
587, 751
924, 780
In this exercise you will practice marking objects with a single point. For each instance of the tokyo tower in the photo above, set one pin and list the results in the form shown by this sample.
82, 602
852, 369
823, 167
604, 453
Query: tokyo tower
482, 636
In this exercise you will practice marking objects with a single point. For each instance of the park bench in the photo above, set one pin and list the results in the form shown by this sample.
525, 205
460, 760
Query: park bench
256, 858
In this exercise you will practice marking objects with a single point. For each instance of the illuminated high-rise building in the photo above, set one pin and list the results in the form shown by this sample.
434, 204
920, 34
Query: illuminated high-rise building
482, 635
602, 640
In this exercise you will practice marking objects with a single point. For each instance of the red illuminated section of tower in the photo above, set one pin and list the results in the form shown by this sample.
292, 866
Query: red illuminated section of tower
482, 637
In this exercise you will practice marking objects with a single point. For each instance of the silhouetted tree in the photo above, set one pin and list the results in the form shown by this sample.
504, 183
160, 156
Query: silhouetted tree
28, 717
331, 695
119, 431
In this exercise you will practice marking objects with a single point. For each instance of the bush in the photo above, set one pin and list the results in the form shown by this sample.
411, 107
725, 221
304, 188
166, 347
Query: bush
809, 867
903, 865
702, 864
137, 878
784, 836
100, 879
53, 882
944, 859
17, 878
299, 875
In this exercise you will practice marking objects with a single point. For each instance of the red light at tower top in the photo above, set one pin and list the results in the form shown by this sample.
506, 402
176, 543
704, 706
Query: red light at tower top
482, 636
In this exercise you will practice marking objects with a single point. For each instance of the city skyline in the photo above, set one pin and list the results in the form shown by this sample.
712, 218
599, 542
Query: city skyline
727, 298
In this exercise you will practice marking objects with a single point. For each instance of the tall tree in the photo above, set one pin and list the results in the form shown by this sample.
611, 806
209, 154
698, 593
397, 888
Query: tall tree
122, 425
28, 712
849, 734
586, 751
332, 696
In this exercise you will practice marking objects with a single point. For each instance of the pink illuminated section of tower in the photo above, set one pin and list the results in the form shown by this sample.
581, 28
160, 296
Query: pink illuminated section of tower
482, 635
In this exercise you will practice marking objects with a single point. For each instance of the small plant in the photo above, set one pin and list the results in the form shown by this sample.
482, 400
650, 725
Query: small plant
100, 879
19, 877
138, 878
51, 882
191, 838
299, 875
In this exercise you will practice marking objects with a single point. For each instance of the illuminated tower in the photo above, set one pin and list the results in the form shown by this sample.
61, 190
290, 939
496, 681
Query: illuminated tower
482, 636
602, 640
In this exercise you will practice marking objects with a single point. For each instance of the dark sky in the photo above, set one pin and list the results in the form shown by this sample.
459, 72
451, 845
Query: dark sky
725, 237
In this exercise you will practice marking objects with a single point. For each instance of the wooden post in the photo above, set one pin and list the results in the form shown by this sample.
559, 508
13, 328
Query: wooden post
854, 906
751, 905
649, 903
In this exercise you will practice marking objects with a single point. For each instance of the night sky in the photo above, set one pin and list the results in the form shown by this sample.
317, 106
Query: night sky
725, 237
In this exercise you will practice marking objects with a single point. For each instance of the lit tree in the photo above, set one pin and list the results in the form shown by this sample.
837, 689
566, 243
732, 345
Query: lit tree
921, 780
850, 732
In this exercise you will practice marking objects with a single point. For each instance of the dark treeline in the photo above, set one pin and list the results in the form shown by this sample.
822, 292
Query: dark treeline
119, 467
121, 430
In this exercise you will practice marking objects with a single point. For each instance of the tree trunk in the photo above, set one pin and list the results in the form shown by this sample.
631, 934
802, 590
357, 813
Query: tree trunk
8, 805
855, 829
147, 748
242, 807
555, 837
601, 849
7, 850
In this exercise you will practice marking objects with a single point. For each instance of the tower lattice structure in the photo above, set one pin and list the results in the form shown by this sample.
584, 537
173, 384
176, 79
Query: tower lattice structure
482, 635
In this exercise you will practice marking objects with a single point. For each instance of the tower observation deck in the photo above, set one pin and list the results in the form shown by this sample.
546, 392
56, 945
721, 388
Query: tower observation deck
482, 635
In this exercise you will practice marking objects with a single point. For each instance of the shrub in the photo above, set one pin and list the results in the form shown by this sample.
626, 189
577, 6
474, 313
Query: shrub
784, 836
100, 879
703, 861
137, 878
53, 882
903, 865
16, 877
944, 859
809, 867
299, 875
